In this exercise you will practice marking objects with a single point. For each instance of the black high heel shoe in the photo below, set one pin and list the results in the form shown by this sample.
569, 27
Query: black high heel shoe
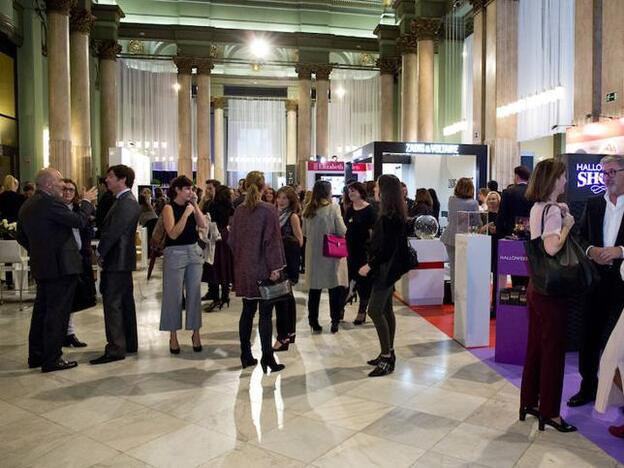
212, 306
224, 302
316, 328
271, 364
374, 362
351, 298
173, 350
248, 361
528, 410
281, 345
561, 427
292, 337
197, 348
385, 366
72, 340
360, 319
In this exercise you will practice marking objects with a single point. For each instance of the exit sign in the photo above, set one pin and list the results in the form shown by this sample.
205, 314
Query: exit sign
610, 97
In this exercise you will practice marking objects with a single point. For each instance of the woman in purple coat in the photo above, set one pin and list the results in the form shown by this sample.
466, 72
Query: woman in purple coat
258, 254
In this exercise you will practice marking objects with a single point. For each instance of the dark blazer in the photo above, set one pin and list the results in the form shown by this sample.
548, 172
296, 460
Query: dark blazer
44, 228
117, 236
513, 204
591, 227
10, 203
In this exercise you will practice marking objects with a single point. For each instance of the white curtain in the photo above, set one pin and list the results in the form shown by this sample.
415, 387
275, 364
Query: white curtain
148, 110
467, 89
353, 110
545, 62
256, 135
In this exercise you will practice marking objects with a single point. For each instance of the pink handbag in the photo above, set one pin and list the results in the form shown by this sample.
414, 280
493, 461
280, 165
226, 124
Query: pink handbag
334, 246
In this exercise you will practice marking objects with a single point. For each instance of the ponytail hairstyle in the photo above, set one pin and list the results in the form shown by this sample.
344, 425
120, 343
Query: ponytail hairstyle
254, 184
321, 193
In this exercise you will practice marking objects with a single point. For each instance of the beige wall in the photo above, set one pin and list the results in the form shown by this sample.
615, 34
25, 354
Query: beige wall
541, 148
613, 56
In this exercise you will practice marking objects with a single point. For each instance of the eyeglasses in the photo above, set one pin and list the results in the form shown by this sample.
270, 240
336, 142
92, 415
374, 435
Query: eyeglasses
611, 172
70, 190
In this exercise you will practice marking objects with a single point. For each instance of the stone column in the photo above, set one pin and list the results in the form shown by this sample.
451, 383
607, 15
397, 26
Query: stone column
478, 73
109, 92
408, 45
304, 129
80, 25
387, 69
322, 73
185, 164
204, 67
426, 31
219, 140
58, 85
291, 132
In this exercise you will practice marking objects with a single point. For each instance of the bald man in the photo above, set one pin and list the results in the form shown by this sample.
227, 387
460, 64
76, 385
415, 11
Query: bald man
44, 229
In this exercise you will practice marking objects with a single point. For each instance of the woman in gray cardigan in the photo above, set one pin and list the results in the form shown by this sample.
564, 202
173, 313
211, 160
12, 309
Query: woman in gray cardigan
463, 200
321, 217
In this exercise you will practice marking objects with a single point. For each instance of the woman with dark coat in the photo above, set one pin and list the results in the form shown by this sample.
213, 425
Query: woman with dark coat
258, 254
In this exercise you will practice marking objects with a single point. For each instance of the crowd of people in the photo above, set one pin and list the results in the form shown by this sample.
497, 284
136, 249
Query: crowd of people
244, 238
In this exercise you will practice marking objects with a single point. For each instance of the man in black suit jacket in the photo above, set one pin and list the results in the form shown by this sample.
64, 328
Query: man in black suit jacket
602, 235
117, 256
513, 203
45, 229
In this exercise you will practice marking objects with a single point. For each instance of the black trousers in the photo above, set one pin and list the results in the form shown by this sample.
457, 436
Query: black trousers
50, 317
602, 311
265, 326
336, 304
286, 317
381, 312
119, 313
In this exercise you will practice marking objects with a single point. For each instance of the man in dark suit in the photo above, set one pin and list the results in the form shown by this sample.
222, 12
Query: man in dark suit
117, 256
602, 235
513, 203
45, 229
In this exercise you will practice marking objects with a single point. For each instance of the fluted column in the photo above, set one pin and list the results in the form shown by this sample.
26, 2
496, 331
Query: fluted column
80, 26
322, 73
291, 132
408, 46
387, 69
304, 129
204, 67
219, 140
426, 31
185, 163
58, 85
109, 90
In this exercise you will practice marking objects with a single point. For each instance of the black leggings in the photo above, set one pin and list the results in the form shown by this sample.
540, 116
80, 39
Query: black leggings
265, 326
336, 304
286, 317
380, 311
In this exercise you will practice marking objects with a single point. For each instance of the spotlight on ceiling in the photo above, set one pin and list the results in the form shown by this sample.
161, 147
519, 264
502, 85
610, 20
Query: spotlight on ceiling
259, 48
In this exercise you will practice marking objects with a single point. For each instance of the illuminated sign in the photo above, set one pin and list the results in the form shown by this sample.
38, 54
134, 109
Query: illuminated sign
330, 166
431, 148
589, 175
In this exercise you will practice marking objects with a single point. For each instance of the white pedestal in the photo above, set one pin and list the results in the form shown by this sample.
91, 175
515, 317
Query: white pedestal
425, 284
472, 289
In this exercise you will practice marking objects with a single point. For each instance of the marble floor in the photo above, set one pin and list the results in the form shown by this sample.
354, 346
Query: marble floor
441, 408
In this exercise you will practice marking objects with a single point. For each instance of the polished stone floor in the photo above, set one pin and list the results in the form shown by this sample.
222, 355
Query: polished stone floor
441, 408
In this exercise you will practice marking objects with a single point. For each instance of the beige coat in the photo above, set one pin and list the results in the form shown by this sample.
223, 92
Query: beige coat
324, 272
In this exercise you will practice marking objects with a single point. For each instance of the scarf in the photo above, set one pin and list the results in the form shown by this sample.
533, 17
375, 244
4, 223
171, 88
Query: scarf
284, 216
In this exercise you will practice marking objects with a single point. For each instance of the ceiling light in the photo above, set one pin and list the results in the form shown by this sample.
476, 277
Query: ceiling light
340, 92
259, 48
177, 87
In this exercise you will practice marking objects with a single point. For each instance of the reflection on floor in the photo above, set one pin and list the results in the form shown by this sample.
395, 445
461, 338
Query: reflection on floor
441, 407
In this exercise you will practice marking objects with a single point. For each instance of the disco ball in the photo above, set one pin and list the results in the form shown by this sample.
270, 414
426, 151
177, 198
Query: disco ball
425, 227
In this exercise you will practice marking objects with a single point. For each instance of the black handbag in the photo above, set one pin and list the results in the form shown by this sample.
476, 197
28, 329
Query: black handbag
275, 291
560, 274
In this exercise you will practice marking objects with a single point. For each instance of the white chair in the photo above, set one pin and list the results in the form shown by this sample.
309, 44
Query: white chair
13, 257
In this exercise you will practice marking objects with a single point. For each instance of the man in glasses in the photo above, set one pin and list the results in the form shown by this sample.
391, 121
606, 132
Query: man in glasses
602, 233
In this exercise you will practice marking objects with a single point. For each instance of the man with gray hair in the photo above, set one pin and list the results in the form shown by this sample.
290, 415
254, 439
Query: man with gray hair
602, 233
44, 229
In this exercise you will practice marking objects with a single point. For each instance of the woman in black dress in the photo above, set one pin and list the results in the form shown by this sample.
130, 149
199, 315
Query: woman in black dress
360, 219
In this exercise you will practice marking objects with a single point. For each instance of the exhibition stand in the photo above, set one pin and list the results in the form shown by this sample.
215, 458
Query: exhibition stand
425, 284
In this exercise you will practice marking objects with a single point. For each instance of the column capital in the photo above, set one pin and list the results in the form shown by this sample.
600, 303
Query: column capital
425, 29
219, 102
478, 5
387, 66
81, 20
204, 66
184, 64
322, 72
59, 6
304, 70
408, 43
291, 105
108, 49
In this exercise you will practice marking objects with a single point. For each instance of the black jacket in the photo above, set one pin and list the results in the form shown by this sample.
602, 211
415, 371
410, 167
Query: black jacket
117, 246
44, 228
10, 203
591, 227
385, 264
513, 204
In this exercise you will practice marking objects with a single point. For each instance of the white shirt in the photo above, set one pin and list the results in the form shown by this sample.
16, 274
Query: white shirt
612, 220
122, 192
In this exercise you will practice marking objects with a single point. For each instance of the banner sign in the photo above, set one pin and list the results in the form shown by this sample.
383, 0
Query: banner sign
330, 166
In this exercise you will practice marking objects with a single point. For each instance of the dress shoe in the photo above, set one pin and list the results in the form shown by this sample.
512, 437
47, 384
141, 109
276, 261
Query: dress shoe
281, 345
105, 359
528, 410
385, 366
72, 340
270, 363
248, 361
59, 365
316, 328
617, 431
581, 398
334, 327
560, 426
34, 363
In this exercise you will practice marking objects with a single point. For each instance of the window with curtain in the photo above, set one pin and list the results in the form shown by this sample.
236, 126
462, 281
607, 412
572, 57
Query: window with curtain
353, 110
545, 62
256, 135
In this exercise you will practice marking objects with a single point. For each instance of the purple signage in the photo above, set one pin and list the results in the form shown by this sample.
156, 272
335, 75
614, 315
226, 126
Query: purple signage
512, 258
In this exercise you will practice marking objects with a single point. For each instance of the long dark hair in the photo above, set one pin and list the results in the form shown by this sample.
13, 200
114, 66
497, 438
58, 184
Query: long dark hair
321, 194
391, 195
